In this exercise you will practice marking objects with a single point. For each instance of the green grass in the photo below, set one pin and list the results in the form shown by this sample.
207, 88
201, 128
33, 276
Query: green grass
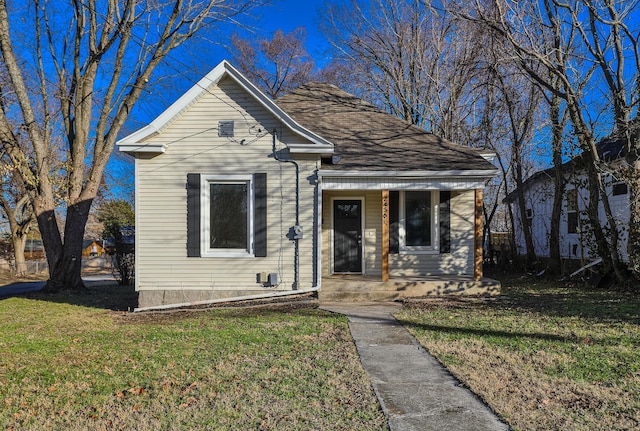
67, 366
545, 356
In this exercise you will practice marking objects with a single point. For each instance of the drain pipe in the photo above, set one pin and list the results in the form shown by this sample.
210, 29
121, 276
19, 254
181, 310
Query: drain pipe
293, 235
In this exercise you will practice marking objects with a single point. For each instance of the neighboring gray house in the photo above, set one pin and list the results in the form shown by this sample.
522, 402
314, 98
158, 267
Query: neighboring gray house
238, 196
575, 237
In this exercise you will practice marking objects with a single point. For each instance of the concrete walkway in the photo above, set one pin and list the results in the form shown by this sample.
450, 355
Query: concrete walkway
415, 391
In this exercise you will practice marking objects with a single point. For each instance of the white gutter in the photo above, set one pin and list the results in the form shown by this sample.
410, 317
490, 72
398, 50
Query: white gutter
308, 149
489, 156
143, 148
232, 299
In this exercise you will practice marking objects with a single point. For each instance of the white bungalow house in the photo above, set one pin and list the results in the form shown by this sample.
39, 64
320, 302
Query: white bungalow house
576, 241
239, 196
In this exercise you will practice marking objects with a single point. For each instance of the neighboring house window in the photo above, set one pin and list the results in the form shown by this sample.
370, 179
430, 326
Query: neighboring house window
418, 221
529, 216
572, 211
619, 188
529, 212
226, 215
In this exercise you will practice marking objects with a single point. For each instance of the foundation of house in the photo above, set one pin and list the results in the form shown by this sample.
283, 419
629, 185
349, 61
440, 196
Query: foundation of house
358, 288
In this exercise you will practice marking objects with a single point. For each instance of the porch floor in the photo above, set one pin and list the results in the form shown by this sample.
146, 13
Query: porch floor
356, 288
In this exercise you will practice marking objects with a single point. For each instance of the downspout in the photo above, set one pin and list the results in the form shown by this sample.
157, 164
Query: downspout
296, 257
318, 232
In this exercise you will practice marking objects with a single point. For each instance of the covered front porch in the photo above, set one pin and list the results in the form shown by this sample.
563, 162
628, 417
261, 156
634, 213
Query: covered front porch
367, 256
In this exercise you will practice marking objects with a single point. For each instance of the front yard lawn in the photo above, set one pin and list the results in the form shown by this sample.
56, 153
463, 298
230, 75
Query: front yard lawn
76, 367
544, 356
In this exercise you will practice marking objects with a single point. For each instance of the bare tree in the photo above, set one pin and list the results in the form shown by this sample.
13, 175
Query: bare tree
558, 120
445, 74
15, 205
534, 29
521, 99
277, 65
417, 62
93, 59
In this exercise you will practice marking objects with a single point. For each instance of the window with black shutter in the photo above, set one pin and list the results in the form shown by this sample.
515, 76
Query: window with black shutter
226, 215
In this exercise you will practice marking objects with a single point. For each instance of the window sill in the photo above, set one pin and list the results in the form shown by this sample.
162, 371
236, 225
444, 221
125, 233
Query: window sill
410, 252
228, 254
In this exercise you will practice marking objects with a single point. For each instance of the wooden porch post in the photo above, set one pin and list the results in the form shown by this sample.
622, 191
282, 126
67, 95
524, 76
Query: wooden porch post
477, 258
385, 235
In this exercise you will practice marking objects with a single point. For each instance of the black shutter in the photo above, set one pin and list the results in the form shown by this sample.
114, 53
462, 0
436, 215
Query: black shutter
193, 215
445, 222
394, 222
260, 215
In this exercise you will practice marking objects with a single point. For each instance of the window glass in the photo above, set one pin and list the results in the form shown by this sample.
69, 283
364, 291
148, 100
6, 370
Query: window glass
572, 211
619, 189
572, 222
418, 218
228, 224
572, 200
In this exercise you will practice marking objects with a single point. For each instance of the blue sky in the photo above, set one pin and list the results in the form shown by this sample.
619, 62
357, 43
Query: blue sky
184, 71
290, 14
195, 59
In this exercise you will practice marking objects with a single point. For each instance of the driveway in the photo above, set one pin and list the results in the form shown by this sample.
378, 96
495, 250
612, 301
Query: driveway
21, 288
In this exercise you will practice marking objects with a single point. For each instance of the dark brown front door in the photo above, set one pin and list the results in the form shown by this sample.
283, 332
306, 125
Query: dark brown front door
347, 236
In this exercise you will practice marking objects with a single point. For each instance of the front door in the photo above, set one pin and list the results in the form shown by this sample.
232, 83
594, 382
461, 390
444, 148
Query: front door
347, 236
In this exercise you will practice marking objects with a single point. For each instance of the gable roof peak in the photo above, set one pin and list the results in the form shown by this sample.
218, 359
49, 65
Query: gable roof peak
135, 142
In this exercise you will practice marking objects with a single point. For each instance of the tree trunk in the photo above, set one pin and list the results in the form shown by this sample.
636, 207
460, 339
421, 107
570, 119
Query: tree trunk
66, 272
513, 248
64, 258
606, 245
526, 226
633, 243
48, 225
555, 259
19, 242
602, 245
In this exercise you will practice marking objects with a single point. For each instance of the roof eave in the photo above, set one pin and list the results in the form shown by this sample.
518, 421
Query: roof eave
456, 173
310, 149
489, 156
134, 148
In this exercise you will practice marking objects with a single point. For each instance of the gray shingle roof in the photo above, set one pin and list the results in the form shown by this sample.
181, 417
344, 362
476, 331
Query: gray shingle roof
369, 139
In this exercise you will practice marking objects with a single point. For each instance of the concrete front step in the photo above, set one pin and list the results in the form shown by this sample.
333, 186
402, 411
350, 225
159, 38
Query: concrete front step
360, 288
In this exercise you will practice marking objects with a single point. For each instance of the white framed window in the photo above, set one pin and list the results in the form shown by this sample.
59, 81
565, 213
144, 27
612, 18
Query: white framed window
418, 224
227, 220
573, 221
619, 188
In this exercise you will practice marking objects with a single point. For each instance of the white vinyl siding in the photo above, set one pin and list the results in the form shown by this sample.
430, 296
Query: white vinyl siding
193, 146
